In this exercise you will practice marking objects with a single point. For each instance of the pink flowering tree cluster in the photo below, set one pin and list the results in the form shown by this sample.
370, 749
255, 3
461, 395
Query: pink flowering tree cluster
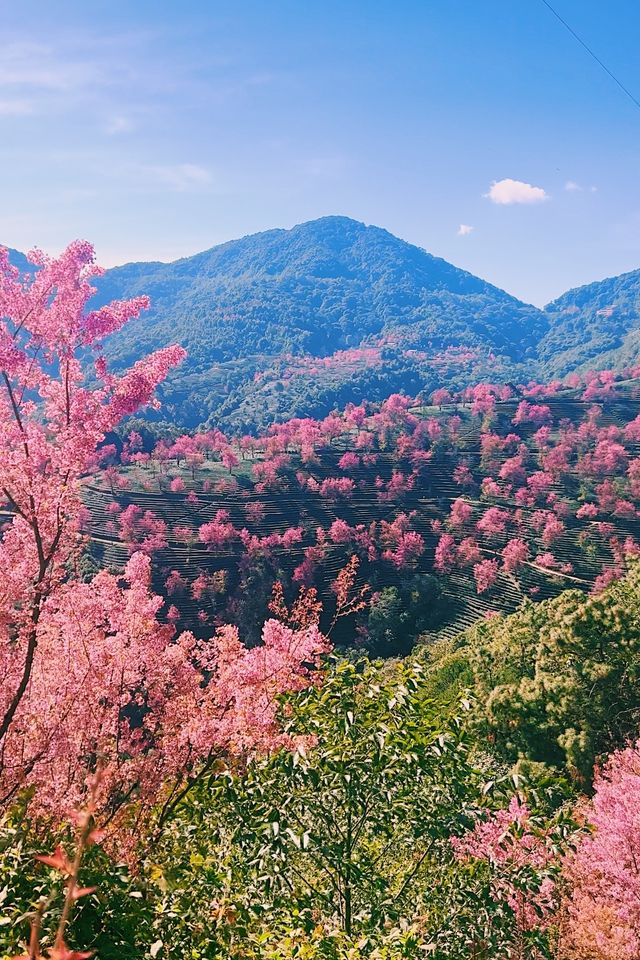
542, 482
401, 546
603, 907
485, 574
133, 694
522, 858
484, 396
514, 555
142, 530
50, 426
532, 413
89, 675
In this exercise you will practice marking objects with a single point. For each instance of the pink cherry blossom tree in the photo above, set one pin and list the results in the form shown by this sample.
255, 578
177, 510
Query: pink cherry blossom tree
515, 848
485, 574
514, 555
604, 872
88, 672
445, 554
460, 514
51, 423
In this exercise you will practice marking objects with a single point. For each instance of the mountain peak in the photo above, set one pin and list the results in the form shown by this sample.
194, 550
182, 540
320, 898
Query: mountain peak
317, 289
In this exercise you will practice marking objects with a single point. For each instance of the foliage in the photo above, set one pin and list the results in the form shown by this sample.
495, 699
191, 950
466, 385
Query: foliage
297, 322
381, 482
333, 312
594, 326
90, 677
267, 805
373, 833
342, 847
557, 682
379, 774
399, 614
112, 918
604, 904
51, 423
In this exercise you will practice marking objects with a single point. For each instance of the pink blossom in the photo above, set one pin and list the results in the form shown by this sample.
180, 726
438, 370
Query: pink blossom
514, 555
493, 522
468, 553
604, 903
532, 413
462, 475
489, 488
445, 554
460, 514
349, 461
340, 532
510, 843
409, 548
485, 574
334, 487
441, 396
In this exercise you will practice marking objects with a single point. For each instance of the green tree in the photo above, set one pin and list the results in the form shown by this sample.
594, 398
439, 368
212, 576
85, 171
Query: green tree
398, 615
350, 820
114, 920
339, 847
559, 682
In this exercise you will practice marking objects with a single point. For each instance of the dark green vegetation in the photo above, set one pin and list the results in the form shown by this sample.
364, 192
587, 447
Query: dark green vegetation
381, 315
557, 683
326, 286
342, 844
339, 846
594, 327
320, 287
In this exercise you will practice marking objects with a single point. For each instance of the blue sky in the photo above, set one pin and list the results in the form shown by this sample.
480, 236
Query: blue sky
158, 129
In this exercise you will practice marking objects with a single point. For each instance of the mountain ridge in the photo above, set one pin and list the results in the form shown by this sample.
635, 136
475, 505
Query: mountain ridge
279, 232
321, 288
373, 308
601, 321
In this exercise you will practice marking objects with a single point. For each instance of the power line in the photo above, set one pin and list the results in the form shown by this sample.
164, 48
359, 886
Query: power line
592, 54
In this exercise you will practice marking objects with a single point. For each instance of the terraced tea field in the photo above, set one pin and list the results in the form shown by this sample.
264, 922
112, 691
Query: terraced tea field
582, 549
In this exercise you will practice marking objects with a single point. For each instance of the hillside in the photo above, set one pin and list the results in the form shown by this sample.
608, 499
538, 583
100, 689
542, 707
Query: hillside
186, 623
300, 322
596, 326
244, 308
453, 512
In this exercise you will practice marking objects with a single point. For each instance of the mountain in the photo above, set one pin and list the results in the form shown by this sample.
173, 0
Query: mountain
245, 308
297, 322
596, 326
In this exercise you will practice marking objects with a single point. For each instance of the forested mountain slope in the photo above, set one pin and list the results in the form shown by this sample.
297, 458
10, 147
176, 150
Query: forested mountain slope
298, 322
324, 287
594, 327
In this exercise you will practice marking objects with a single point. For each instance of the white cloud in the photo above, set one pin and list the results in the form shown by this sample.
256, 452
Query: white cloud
464, 230
510, 191
37, 66
180, 176
572, 187
15, 108
119, 124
